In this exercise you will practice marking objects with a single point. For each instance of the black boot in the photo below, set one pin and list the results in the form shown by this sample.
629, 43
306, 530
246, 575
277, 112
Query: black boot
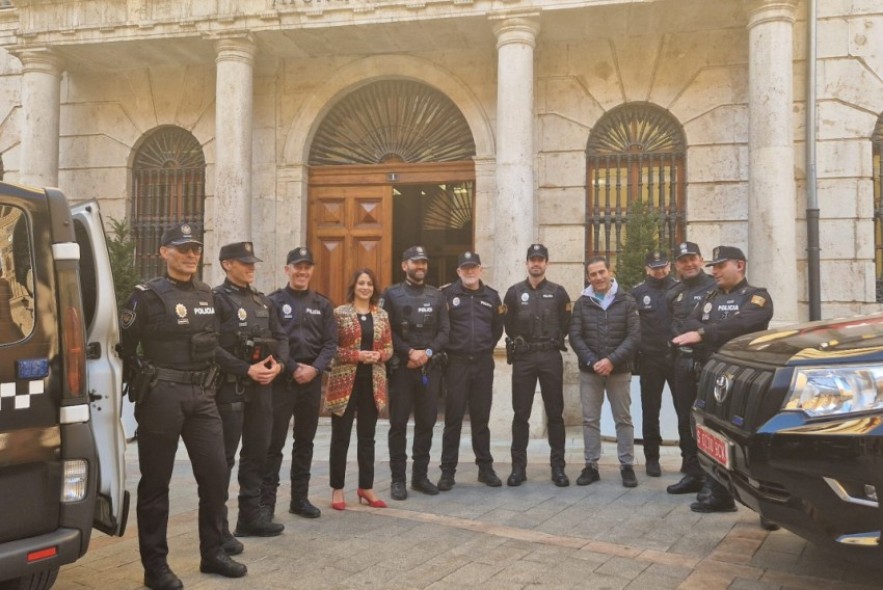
517, 477
488, 476
446, 481
303, 507
221, 564
162, 578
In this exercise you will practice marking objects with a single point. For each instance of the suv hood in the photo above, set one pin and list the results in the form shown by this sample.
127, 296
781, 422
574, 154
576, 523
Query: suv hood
845, 340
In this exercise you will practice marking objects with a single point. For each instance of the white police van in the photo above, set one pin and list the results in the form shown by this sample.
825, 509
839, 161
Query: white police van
62, 445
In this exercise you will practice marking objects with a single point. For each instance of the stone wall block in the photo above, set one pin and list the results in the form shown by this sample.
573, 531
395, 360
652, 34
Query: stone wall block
562, 169
109, 185
84, 119
841, 158
837, 238
712, 87
93, 151
833, 38
851, 82
567, 98
638, 58
837, 120
840, 198
594, 63
561, 206
866, 39
566, 243
713, 201
717, 163
723, 124
842, 280
864, 240
557, 133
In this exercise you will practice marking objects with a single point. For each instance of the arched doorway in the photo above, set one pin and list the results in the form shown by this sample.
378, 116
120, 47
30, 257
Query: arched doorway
391, 165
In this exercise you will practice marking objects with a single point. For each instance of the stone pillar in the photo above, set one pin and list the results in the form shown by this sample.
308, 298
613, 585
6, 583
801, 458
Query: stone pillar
772, 203
515, 205
41, 107
233, 141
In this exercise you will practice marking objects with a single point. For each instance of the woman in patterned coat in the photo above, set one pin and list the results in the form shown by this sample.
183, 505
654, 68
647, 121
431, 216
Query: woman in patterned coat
357, 384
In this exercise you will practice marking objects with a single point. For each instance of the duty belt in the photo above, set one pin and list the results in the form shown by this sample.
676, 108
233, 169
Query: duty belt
191, 377
469, 357
535, 346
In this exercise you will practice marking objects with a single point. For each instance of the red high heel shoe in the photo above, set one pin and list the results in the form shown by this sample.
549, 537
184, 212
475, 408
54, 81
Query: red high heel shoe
339, 505
372, 503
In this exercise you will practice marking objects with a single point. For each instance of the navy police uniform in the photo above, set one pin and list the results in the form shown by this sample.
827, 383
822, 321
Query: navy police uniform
655, 364
720, 317
476, 318
682, 299
537, 320
307, 318
418, 317
249, 332
174, 324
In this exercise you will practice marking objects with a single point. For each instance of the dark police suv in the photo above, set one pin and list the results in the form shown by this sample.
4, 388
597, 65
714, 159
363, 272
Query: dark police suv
791, 420
61, 442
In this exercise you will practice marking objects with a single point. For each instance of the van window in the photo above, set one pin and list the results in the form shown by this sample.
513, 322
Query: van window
16, 276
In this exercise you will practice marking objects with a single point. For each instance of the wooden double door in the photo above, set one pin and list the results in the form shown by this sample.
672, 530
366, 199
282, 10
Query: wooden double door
352, 220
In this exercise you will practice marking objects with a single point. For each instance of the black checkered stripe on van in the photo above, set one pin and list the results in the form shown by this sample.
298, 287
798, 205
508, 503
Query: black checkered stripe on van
17, 395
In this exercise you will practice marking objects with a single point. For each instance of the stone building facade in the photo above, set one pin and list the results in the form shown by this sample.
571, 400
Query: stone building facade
87, 87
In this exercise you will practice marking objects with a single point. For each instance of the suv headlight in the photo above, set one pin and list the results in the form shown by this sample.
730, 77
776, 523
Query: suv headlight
836, 391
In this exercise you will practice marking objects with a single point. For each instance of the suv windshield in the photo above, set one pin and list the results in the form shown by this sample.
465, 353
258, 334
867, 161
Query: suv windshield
16, 280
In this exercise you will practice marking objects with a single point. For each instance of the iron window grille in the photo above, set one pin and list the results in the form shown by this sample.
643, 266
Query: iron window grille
168, 187
637, 151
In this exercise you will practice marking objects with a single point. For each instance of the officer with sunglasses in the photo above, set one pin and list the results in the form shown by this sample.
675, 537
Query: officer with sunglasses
172, 319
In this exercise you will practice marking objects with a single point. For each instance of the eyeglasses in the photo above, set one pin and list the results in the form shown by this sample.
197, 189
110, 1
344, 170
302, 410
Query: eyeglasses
188, 248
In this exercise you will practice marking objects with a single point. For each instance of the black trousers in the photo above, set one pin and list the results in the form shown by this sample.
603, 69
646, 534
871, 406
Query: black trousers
546, 367
250, 421
301, 402
684, 393
470, 382
654, 374
174, 410
361, 403
407, 392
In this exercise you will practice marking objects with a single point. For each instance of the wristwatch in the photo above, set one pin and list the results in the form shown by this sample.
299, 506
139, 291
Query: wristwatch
701, 332
428, 352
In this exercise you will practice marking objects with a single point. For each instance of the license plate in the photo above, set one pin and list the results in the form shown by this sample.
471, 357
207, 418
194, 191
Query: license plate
714, 445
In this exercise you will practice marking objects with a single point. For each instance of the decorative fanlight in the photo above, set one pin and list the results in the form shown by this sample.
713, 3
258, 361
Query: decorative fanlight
393, 121
450, 207
636, 128
170, 147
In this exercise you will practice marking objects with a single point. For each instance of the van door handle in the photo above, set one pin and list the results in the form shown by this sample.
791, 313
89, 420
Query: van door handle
93, 351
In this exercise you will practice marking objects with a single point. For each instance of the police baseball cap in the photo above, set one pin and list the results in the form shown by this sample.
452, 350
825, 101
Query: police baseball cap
241, 251
468, 259
537, 250
656, 259
298, 255
724, 253
178, 235
415, 253
687, 248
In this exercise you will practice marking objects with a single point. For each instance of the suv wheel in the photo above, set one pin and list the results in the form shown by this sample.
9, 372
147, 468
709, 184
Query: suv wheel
38, 581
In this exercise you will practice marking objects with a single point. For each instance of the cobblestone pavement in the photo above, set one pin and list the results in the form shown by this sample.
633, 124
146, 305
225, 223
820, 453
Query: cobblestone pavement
602, 536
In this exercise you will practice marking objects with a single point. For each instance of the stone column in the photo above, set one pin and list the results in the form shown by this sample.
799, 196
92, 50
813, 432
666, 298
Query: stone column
772, 203
233, 141
515, 205
41, 107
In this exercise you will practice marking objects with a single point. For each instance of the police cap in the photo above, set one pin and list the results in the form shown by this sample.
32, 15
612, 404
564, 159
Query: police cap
687, 248
468, 259
656, 259
724, 253
241, 251
535, 250
298, 255
178, 235
415, 253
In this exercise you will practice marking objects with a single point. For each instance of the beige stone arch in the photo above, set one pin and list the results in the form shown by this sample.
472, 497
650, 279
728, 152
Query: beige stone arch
290, 210
384, 67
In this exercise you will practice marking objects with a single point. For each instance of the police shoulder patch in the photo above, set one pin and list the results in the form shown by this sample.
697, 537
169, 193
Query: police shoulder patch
127, 318
758, 300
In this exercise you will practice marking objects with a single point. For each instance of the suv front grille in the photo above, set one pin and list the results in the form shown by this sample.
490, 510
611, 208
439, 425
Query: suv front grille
742, 405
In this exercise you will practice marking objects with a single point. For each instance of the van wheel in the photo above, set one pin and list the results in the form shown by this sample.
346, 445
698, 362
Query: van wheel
38, 581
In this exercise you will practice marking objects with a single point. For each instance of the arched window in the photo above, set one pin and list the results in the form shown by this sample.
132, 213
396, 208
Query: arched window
168, 186
636, 152
877, 143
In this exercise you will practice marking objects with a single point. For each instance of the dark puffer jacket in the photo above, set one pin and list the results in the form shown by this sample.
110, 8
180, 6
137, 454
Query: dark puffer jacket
614, 333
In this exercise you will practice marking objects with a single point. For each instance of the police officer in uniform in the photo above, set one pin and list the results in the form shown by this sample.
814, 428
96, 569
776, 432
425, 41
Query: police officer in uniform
682, 299
307, 318
251, 342
654, 356
476, 314
537, 320
418, 316
173, 320
732, 309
